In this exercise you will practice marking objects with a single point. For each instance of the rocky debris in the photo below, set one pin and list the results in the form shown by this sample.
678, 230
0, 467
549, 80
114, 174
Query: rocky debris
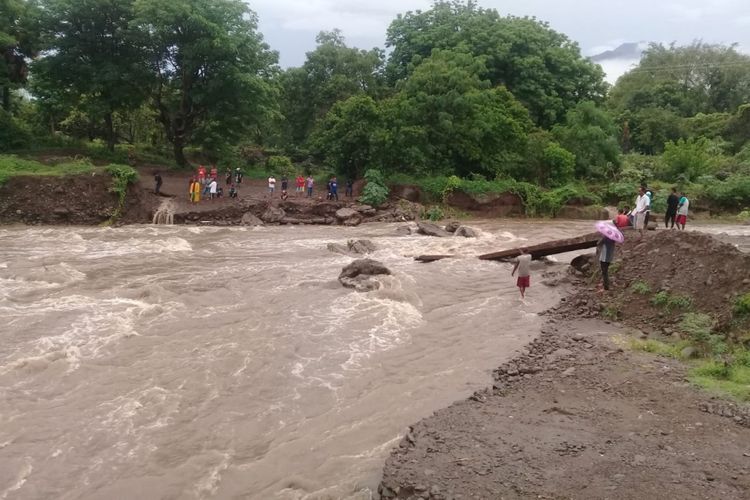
452, 226
466, 232
361, 246
365, 210
740, 414
273, 215
403, 231
429, 229
348, 216
584, 264
360, 273
249, 219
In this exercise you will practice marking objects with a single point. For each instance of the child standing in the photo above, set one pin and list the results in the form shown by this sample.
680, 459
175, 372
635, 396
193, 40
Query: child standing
522, 265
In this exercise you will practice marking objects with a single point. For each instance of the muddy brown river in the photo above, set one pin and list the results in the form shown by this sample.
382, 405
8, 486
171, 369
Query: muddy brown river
165, 362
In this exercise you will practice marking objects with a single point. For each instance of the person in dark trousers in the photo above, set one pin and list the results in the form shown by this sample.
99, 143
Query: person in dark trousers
284, 183
650, 195
334, 189
158, 181
349, 188
672, 201
606, 252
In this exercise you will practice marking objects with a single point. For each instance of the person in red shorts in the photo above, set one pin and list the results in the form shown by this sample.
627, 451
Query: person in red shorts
522, 265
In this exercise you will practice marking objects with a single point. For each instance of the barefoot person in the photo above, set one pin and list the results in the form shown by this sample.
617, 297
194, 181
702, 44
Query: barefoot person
522, 265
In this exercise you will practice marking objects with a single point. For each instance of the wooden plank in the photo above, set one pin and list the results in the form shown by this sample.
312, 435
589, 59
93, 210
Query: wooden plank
547, 248
431, 258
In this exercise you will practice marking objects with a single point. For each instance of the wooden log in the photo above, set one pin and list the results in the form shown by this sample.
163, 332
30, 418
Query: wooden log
431, 258
548, 248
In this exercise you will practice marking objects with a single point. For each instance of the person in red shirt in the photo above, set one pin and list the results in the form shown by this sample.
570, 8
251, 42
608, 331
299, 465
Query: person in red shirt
300, 185
201, 172
214, 173
621, 220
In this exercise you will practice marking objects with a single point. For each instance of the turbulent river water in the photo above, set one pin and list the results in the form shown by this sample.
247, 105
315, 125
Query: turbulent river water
160, 362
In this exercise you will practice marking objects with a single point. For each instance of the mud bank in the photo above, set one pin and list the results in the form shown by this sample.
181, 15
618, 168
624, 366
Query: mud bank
578, 415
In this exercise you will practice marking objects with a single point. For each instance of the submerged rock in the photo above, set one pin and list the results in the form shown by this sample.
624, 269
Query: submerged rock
403, 231
430, 229
452, 226
361, 246
466, 232
338, 248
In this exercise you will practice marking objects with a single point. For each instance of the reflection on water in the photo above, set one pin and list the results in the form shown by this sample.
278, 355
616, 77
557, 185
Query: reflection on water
183, 362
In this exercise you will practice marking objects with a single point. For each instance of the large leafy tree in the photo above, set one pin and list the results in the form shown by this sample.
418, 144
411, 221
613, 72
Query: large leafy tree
331, 73
347, 135
449, 119
542, 68
18, 44
212, 70
590, 134
92, 59
698, 78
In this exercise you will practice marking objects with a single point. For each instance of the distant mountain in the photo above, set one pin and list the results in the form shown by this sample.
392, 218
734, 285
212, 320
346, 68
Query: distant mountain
626, 51
619, 61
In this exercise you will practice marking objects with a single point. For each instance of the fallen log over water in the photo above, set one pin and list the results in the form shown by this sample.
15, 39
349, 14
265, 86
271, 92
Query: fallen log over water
548, 248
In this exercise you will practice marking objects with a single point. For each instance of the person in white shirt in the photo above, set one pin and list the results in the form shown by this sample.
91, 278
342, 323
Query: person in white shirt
642, 204
271, 184
522, 265
212, 188
682, 211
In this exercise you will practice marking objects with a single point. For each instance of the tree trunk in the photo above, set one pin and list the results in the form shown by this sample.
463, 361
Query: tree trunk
6, 98
111, 139
179, 153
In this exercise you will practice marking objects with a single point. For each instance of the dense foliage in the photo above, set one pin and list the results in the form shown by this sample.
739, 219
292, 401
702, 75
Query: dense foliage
466, 99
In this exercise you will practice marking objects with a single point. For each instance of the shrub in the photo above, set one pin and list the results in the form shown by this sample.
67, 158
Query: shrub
281, 165
664, 299
375, 191
13, 134
698, 328
122, 177
742, 305
641, 288
435, 213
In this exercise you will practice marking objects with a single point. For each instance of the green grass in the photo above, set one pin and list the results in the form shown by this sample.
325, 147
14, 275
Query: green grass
640, 287
741, 305
671, 302
732, 379
13, 166
666, 349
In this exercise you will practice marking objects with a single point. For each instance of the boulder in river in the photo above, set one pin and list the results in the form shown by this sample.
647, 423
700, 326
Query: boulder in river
364, 209
466, 232
273, 215
431, 230
403, 231
348, 216
338, 248
452, 226
359, 275
361, 246
249, 219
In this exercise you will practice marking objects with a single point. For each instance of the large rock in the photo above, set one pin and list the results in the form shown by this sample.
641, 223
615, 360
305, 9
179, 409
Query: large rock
452, 226
361, 246
364, 209
249, 219
360, 273
467, 232
490, 204
348, 217
273, 215
403, 231
430, 229
584, 263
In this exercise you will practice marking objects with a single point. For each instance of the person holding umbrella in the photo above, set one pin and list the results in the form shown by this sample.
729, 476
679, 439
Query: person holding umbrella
605, 249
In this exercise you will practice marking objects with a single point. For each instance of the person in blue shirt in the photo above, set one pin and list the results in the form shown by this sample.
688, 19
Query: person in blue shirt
334, 189
606, 252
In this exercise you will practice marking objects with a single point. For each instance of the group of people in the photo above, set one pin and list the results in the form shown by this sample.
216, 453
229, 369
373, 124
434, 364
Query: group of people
303, 185
676, 214
206, 184
678, 206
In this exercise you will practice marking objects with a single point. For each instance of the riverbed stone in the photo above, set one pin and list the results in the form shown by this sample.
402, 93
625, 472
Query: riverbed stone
429, 229
452, 226
360, 274
361, 246
249, 219
467, 232
273, 215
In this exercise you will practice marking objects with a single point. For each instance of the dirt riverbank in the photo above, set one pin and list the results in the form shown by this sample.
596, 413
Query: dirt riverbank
579, 415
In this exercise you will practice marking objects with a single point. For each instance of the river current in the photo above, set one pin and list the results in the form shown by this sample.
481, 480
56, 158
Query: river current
166, 362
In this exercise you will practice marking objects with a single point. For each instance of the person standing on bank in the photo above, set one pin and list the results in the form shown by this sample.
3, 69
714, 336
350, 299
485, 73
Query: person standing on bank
641, 207
522, 265
672, 201
158, 181
682, 211
605, 250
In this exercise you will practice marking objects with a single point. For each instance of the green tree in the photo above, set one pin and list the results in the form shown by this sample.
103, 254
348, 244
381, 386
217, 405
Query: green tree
686, 159
19, 33
92, 52
542, 68
346, 137
546, 162
449, 119
698, 78
591, 135
651, 128
212, 70
331, 73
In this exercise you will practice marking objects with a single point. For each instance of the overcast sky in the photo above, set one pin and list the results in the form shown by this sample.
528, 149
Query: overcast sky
290, 26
